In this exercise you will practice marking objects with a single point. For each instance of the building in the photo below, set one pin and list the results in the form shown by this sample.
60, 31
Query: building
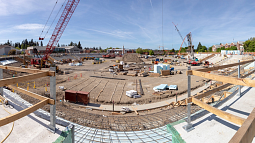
121, 51
72, 49
4, 49
238, 44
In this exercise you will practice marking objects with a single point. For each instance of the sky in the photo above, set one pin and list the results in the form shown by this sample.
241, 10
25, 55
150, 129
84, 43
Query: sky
132, 23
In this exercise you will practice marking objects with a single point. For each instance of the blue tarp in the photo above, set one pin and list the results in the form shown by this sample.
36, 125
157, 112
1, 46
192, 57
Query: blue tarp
173, 87
161, 87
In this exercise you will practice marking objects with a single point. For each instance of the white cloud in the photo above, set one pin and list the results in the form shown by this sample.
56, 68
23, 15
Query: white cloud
116, 33
21, 7
29, 26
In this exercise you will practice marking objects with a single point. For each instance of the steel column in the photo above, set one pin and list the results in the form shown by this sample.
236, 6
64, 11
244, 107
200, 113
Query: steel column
1, 77
239, 88
52, 125
189, 127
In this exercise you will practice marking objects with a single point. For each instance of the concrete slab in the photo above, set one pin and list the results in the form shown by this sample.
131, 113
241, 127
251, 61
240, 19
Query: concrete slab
211, 128
27, 129
145, 106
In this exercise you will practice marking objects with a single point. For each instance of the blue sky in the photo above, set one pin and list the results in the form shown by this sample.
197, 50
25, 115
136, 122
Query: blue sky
132, 23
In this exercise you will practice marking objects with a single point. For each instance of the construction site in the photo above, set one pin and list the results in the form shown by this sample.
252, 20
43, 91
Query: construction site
126, 97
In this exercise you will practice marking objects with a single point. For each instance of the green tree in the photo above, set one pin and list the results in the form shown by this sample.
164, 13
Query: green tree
183, 50
12, 52
58, 45
41, 43
71, 43
210, 49
22, 46
199, 46
151, 52
79, 45
139, 50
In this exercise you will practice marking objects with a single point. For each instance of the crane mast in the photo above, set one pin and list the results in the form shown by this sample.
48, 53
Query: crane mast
179, 33
60, 27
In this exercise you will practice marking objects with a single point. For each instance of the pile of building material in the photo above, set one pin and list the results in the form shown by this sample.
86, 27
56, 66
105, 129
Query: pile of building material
161, 87
132, 94
131, 57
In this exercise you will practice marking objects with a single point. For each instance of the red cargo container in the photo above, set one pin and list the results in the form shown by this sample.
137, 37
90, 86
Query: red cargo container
71, 96
83, 97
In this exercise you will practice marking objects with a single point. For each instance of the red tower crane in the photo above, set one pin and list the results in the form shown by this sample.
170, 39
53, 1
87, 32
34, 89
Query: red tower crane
59, 29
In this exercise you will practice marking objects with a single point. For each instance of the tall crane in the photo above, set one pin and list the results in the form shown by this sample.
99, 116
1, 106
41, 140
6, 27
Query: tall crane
179, 33
60, 27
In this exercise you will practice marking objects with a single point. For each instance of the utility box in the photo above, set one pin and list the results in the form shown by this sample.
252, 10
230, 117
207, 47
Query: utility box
71, 96
83, 97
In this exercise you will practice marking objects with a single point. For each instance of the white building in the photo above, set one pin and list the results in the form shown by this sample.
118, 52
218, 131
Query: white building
4, 49
72, 49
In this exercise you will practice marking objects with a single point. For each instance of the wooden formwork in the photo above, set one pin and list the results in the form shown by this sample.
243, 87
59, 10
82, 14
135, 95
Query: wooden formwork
34, 75
246, 132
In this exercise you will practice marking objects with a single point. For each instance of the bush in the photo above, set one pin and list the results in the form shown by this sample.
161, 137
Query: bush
12, 52
22, 52
151, 52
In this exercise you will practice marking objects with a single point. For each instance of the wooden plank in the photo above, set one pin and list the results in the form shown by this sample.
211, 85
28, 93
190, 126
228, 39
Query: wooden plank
27, 70
14, 80
232, 80
246, 132
29, 93
199, 96
232, 118
25, 112
224, 66
135, 111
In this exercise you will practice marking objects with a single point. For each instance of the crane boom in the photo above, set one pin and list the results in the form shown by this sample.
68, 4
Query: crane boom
179, 33
60, 27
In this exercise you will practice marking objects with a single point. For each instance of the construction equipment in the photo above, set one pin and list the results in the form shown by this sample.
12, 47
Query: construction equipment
179, 33
58, 31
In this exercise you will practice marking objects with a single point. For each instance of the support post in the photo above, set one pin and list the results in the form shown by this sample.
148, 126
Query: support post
189, 127
1, 77
239, 89
52, 125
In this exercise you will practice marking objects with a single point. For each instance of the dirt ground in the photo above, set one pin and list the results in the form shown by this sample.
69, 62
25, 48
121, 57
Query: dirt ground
79, 79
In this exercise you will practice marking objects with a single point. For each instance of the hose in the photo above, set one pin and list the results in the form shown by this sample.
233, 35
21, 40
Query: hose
12, 123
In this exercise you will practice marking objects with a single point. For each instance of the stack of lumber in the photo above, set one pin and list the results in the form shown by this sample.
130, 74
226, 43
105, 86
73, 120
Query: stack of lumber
132, 73
154, 74
165, 72
143, 74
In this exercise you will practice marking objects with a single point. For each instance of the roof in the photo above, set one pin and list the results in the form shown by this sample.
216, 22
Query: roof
70, 47
37, 47
3, 46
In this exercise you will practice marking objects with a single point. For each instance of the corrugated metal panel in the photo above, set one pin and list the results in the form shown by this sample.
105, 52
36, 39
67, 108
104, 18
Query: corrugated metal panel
71, 95
83, 97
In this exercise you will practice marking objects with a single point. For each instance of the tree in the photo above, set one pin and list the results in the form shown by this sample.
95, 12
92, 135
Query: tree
210, 49
71, 44
139, 50
12, 52
22, 46
151, 52
58, 45
79, 45
199, 46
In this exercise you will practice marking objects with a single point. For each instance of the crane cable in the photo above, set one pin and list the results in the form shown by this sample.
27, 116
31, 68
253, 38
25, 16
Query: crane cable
49, 17
54, 19
12, 122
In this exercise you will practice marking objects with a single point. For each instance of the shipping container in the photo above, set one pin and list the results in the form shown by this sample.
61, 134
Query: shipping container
71, 96
83, 97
